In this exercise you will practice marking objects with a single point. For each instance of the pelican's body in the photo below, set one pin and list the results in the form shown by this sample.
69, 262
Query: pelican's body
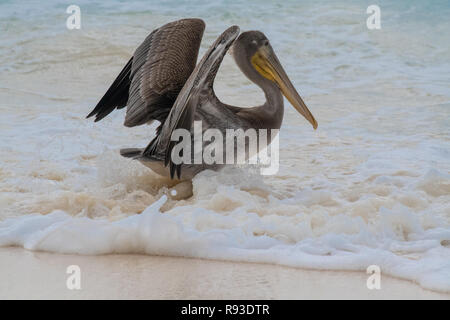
161, 82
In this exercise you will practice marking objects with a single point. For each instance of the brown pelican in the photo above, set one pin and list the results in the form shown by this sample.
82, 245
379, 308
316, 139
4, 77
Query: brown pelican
162, 82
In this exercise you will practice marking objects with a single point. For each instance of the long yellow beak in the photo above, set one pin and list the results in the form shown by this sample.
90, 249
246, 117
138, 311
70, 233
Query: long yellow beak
267, 64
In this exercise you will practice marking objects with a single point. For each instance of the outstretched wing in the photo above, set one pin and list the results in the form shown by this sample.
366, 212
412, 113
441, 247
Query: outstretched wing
150, 82
182, 113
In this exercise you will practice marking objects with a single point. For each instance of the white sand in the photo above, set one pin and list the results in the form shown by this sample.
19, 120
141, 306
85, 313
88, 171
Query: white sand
39, 275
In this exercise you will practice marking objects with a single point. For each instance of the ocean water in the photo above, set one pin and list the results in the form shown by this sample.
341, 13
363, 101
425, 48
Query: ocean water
371, 186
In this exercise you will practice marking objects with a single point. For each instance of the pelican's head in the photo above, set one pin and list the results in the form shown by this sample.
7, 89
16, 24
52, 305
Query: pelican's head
255, 57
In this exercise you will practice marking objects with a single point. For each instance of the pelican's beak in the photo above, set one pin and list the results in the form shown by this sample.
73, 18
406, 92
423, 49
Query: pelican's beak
267, 64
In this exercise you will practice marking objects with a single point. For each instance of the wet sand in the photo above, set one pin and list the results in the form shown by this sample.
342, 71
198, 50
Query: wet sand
39, 275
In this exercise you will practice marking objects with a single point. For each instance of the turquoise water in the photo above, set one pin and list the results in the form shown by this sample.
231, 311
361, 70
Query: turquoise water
317, 36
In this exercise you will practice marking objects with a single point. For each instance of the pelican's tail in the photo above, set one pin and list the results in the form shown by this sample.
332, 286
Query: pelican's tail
134, 153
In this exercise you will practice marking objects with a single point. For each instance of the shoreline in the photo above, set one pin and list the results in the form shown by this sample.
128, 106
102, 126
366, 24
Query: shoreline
42, 275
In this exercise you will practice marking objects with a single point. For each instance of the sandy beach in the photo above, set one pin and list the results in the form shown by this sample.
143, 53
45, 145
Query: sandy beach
39, 275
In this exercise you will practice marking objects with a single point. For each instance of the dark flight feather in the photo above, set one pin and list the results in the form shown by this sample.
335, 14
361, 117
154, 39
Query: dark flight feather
182, 114
150, 82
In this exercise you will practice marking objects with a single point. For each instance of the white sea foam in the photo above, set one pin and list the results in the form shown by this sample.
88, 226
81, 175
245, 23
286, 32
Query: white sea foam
370, 186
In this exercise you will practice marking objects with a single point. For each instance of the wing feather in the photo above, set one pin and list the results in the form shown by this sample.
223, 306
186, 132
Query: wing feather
152, 79
182, 113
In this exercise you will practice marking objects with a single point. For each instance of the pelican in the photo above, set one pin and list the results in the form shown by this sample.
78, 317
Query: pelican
162, 82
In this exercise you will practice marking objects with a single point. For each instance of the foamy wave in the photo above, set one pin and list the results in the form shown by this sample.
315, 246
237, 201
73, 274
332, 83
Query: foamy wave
237, 219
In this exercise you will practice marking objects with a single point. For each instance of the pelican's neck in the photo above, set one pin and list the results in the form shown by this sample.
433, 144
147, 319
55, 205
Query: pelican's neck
270, 114
272, 110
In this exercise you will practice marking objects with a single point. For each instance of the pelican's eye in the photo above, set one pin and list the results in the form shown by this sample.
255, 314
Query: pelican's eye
265, 43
